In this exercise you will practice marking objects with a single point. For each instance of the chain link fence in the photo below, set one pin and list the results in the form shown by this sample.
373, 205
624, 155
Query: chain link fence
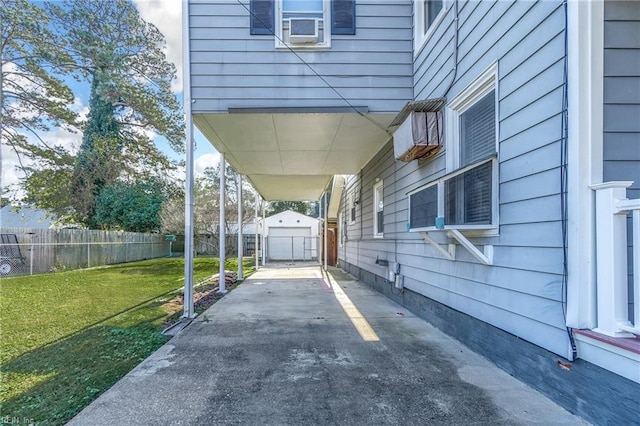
25, 251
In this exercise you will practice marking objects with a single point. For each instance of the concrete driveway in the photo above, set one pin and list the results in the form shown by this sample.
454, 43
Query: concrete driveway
290, 346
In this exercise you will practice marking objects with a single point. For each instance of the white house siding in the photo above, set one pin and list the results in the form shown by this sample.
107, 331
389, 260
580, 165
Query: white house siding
622, 101
231, 68
521, 293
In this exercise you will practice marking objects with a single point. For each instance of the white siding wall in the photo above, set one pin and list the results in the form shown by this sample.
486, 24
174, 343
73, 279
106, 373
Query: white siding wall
231, 68
521, 293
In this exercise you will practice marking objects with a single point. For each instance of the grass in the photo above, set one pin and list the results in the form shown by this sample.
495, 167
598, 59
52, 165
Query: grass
65, 338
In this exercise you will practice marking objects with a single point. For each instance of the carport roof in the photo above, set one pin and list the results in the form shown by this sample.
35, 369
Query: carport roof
292, 155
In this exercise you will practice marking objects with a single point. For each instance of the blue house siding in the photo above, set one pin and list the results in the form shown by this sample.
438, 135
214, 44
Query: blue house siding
521, 292
622, 101
232, 69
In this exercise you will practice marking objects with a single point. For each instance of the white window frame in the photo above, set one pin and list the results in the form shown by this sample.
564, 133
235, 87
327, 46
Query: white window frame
483, 85
489, 229
420, 34
378, 194
326, 28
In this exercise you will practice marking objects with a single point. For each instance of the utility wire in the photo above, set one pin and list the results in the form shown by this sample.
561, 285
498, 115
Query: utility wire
317, 74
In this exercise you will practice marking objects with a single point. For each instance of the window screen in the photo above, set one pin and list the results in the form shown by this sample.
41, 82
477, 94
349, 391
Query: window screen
478, 131
424, 207
468, 196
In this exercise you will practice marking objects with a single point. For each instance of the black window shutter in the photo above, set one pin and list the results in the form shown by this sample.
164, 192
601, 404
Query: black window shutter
262, 17
343, 17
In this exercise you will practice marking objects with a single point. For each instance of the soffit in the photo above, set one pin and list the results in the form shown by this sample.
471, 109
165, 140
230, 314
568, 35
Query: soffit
292, 156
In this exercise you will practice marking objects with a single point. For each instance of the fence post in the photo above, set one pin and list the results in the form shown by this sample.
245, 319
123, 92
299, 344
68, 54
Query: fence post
31, 253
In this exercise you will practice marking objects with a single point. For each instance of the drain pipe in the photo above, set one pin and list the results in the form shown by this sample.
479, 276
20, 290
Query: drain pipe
222, 233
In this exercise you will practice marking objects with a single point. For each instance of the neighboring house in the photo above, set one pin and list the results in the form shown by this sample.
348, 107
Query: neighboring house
25, 217
290, 236
492, 234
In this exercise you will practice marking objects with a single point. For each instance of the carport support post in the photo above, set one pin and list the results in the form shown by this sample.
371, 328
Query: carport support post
326, 231
255, 244
221, 251
240, 235
264, 243
188, 201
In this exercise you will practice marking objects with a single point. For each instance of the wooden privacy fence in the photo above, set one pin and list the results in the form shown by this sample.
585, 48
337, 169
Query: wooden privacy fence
50, 250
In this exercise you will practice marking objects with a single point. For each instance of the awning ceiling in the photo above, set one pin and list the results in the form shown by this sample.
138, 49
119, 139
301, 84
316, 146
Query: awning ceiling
292, 156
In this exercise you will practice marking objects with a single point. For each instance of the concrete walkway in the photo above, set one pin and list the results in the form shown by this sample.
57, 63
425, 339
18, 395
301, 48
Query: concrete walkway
291, 347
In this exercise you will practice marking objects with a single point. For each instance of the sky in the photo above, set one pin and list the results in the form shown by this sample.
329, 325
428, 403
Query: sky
166, 15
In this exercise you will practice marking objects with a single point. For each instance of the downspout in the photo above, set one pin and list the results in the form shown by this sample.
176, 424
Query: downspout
188, 203
222, 240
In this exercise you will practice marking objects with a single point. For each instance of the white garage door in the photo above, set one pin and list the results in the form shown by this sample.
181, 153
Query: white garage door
289, 244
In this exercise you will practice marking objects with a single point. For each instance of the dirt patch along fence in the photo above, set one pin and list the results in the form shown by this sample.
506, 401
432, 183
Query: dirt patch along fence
51, 250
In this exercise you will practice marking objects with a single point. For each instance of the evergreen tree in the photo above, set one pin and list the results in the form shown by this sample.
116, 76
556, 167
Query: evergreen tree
96, 163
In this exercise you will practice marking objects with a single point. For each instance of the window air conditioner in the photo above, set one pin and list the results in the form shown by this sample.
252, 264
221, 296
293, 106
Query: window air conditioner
303, 30
419, 136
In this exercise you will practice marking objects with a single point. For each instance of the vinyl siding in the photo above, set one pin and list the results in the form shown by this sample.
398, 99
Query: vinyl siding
232, 69
622, 101
521, 292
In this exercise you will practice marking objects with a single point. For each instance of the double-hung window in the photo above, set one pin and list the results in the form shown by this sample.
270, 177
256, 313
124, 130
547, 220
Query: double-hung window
378, 209
467, 196
426, 17
302, 24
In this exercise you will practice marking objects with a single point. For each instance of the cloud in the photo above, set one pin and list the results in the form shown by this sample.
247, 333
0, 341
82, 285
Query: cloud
204, 161
166, 15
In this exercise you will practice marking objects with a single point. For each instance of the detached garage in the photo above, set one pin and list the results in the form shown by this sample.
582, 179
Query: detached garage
291, 236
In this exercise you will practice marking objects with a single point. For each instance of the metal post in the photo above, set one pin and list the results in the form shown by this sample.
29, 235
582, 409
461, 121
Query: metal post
31, 254
255, 243
240, 235
189, 169
326, 231
264, 242
221, 251
88, 255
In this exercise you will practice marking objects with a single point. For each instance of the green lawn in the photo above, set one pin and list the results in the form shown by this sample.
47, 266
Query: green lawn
65, 338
